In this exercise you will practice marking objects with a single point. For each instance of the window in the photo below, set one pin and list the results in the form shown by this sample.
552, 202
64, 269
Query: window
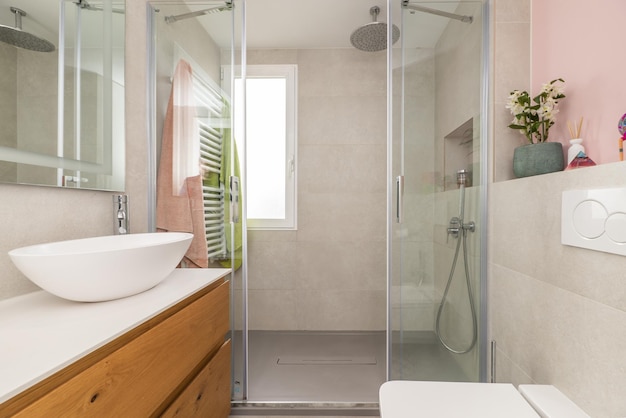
271, 144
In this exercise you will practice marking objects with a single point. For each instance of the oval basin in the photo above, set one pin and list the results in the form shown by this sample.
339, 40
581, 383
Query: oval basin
102, 268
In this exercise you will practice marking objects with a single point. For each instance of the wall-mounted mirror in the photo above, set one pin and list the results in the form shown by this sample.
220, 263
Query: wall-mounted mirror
74, 139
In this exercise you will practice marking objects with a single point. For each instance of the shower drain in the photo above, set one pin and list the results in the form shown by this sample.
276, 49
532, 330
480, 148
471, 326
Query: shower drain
324, 361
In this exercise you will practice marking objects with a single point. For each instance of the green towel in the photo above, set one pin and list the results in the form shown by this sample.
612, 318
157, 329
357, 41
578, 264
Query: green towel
233, 252
234, 249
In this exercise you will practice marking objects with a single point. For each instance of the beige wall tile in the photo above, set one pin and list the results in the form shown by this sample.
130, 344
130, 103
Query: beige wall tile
341, 72
512, 10
272, 265
560, 338
272, 56
512, 72
341, 265
341, 310
341, 216
342, 120
341, 168
509, 372
512, 62
273, 310
271, 235
537, 201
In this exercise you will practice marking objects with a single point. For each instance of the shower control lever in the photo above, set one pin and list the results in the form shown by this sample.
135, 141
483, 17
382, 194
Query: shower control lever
454, 228
456, 225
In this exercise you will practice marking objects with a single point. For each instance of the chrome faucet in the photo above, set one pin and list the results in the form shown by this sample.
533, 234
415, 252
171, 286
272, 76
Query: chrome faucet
120, 214
457, 224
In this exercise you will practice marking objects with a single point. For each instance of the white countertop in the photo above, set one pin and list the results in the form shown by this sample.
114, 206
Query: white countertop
404, 399
41, 334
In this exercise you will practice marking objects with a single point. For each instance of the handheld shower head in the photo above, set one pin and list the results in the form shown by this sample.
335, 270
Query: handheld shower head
17, 37
462, 177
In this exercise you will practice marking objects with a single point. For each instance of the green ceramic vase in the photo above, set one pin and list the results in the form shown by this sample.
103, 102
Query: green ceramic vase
541, 158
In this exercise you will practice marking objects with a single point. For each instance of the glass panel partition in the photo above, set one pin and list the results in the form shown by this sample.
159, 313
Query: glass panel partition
438, 143
194, 48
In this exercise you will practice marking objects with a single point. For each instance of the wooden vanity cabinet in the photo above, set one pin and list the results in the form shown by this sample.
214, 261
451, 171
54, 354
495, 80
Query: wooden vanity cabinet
174, 365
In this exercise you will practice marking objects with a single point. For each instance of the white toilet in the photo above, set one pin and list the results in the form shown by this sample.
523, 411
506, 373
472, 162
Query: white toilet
404, 399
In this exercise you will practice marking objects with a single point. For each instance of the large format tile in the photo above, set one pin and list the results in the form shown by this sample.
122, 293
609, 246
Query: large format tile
533, 246
272, 265
341, 217
512, 10
342, 120
341, 310
558, 337
341, 265
272, 310
341, 168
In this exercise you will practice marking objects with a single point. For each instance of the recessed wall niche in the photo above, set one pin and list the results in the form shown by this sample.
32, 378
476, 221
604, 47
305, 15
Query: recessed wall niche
458, 154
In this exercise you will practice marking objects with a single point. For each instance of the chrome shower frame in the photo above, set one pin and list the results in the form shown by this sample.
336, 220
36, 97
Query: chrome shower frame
83, 4
207, 11
462, 18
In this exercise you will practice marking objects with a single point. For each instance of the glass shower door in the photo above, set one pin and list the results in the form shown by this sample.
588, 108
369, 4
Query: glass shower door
437, 232
205, 37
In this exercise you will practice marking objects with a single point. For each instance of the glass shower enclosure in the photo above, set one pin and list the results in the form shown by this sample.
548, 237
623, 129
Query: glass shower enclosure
381, 275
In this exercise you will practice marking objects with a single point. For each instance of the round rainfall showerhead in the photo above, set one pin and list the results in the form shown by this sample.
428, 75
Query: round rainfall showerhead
373, 36
17, 37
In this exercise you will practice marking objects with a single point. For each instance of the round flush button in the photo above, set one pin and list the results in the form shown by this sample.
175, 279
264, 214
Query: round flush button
589, 218
616, 227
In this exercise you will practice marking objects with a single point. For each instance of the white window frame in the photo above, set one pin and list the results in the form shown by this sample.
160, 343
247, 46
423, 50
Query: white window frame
289, 73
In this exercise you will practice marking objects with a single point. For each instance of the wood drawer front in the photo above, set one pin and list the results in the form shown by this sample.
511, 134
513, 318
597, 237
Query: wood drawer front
208, 395
136, 379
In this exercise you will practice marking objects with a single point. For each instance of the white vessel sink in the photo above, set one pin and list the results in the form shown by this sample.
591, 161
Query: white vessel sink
102, 268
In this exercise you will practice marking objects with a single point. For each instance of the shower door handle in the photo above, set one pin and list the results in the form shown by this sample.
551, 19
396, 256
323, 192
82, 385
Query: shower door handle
399, 199
234, 199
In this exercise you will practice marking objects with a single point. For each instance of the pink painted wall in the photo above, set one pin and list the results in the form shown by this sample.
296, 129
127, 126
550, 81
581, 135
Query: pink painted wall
583, 42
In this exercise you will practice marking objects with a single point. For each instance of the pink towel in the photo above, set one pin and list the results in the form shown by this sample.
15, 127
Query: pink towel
180, 206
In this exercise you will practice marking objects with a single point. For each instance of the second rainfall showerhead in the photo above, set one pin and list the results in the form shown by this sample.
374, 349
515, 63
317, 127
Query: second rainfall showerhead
17, 37
373, 36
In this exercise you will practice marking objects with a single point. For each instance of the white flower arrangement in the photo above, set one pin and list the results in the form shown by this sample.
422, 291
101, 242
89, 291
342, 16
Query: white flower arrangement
535, 117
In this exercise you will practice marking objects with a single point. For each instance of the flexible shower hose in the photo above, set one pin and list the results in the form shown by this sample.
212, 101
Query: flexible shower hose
470, 294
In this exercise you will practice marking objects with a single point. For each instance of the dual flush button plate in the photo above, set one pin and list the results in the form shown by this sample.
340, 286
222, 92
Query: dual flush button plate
594, 219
